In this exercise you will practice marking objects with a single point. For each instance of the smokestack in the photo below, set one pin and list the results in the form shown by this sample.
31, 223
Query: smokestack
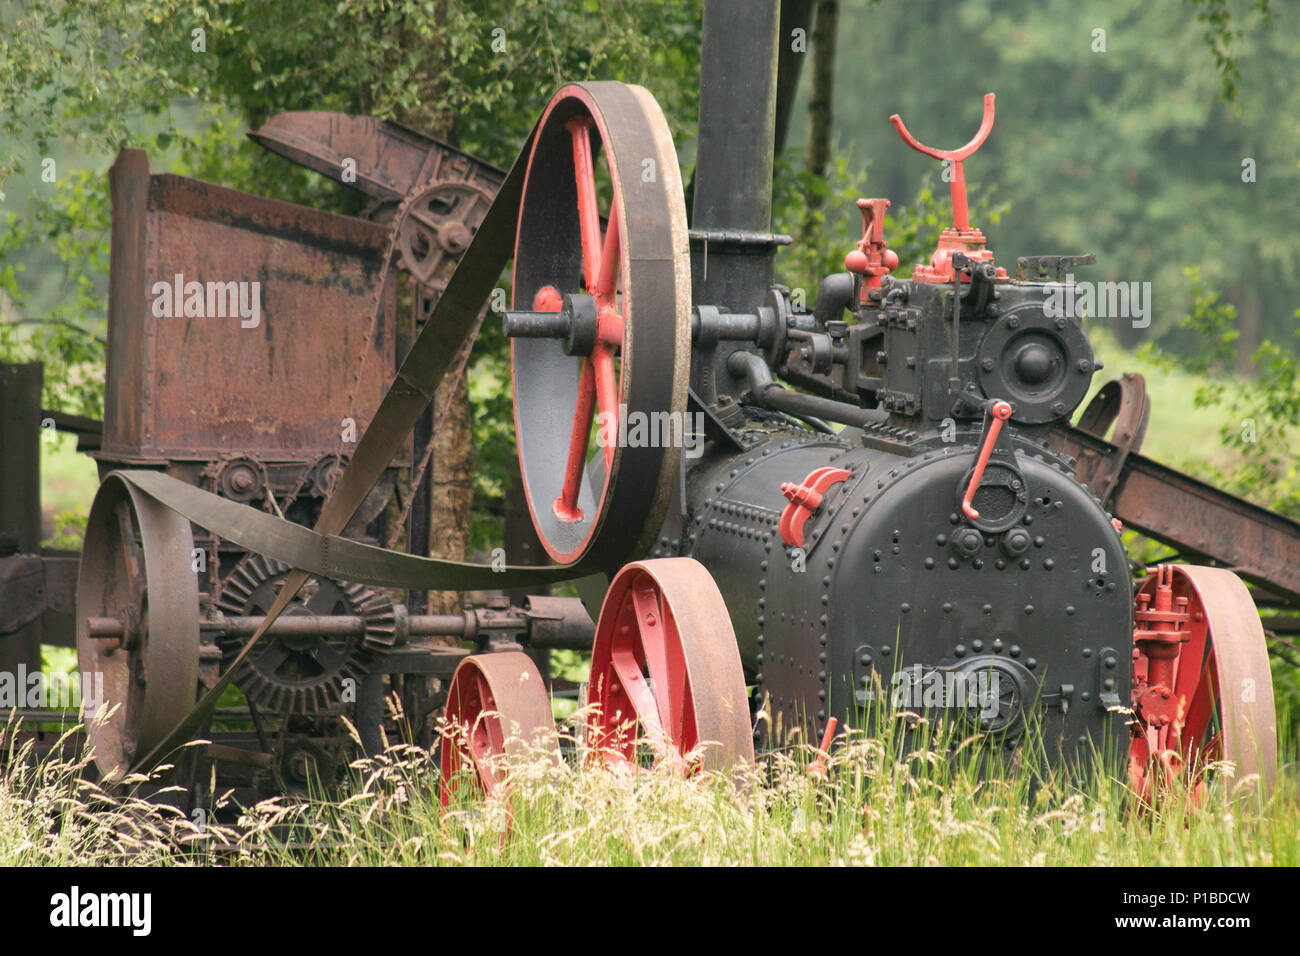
731, 241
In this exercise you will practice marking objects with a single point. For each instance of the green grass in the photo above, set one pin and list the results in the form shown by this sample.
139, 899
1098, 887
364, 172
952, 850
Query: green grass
895, 799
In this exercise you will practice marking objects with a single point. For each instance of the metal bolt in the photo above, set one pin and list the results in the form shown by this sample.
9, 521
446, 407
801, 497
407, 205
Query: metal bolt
987, 364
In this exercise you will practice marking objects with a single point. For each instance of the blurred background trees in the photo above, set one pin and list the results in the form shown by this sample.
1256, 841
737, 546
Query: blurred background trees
1160, 134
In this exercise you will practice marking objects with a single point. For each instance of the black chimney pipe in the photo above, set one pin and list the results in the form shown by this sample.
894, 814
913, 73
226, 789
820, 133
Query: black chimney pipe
731, 241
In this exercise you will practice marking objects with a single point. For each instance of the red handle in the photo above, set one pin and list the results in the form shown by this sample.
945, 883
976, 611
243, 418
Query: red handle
818, 767
1001, 412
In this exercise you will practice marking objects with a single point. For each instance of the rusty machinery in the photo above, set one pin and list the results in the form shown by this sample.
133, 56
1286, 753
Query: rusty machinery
954, 525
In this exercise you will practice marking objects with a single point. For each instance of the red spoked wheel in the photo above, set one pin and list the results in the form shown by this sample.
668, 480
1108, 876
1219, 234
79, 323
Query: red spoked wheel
606, 305
666, 669
497, 708
1202, 688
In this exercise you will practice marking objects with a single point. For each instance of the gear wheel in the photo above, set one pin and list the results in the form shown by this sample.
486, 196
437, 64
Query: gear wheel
239, 478
302, 674
435, 226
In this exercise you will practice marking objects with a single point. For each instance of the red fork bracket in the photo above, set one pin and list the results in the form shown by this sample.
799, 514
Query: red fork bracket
999, 411
960, 237
805, 498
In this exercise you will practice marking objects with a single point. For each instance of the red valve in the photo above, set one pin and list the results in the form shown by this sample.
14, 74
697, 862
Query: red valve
872, 258
1001, 411
960, 238
805, 498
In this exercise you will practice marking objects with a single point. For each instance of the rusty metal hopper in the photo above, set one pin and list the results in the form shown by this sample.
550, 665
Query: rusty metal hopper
275, 385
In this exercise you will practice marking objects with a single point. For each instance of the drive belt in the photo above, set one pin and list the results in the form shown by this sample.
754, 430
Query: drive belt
322, 551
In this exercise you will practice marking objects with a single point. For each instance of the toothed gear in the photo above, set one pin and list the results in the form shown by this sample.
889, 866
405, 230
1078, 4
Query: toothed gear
302, 675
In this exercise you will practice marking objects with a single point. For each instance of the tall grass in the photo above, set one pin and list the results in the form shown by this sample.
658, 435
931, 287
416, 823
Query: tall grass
911, 796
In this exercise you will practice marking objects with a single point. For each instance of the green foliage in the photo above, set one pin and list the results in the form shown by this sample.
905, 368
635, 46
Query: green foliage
1220, 37
1262, 413
493, 424
69, 530
87, 71
73, 224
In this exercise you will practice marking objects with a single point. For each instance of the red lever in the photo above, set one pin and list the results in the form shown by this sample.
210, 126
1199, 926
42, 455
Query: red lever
805, 498
818, 768
957, 156
1001, 411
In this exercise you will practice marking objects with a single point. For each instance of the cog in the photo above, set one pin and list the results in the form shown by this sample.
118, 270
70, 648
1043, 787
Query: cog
239, 478
435, 226
302, 674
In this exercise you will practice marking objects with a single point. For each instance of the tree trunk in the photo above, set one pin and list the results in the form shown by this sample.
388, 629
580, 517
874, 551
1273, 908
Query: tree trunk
452, 489
1249, 333
820, 103
451, 484
795, 15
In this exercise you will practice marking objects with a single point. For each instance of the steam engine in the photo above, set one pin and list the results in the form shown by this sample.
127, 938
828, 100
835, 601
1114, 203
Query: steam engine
860, 559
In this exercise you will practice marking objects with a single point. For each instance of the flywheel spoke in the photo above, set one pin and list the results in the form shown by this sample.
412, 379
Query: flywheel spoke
606, 386
608, 271
588, 213
566, 506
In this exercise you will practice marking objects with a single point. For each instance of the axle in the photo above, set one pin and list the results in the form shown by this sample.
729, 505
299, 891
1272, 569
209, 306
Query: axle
545, 623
